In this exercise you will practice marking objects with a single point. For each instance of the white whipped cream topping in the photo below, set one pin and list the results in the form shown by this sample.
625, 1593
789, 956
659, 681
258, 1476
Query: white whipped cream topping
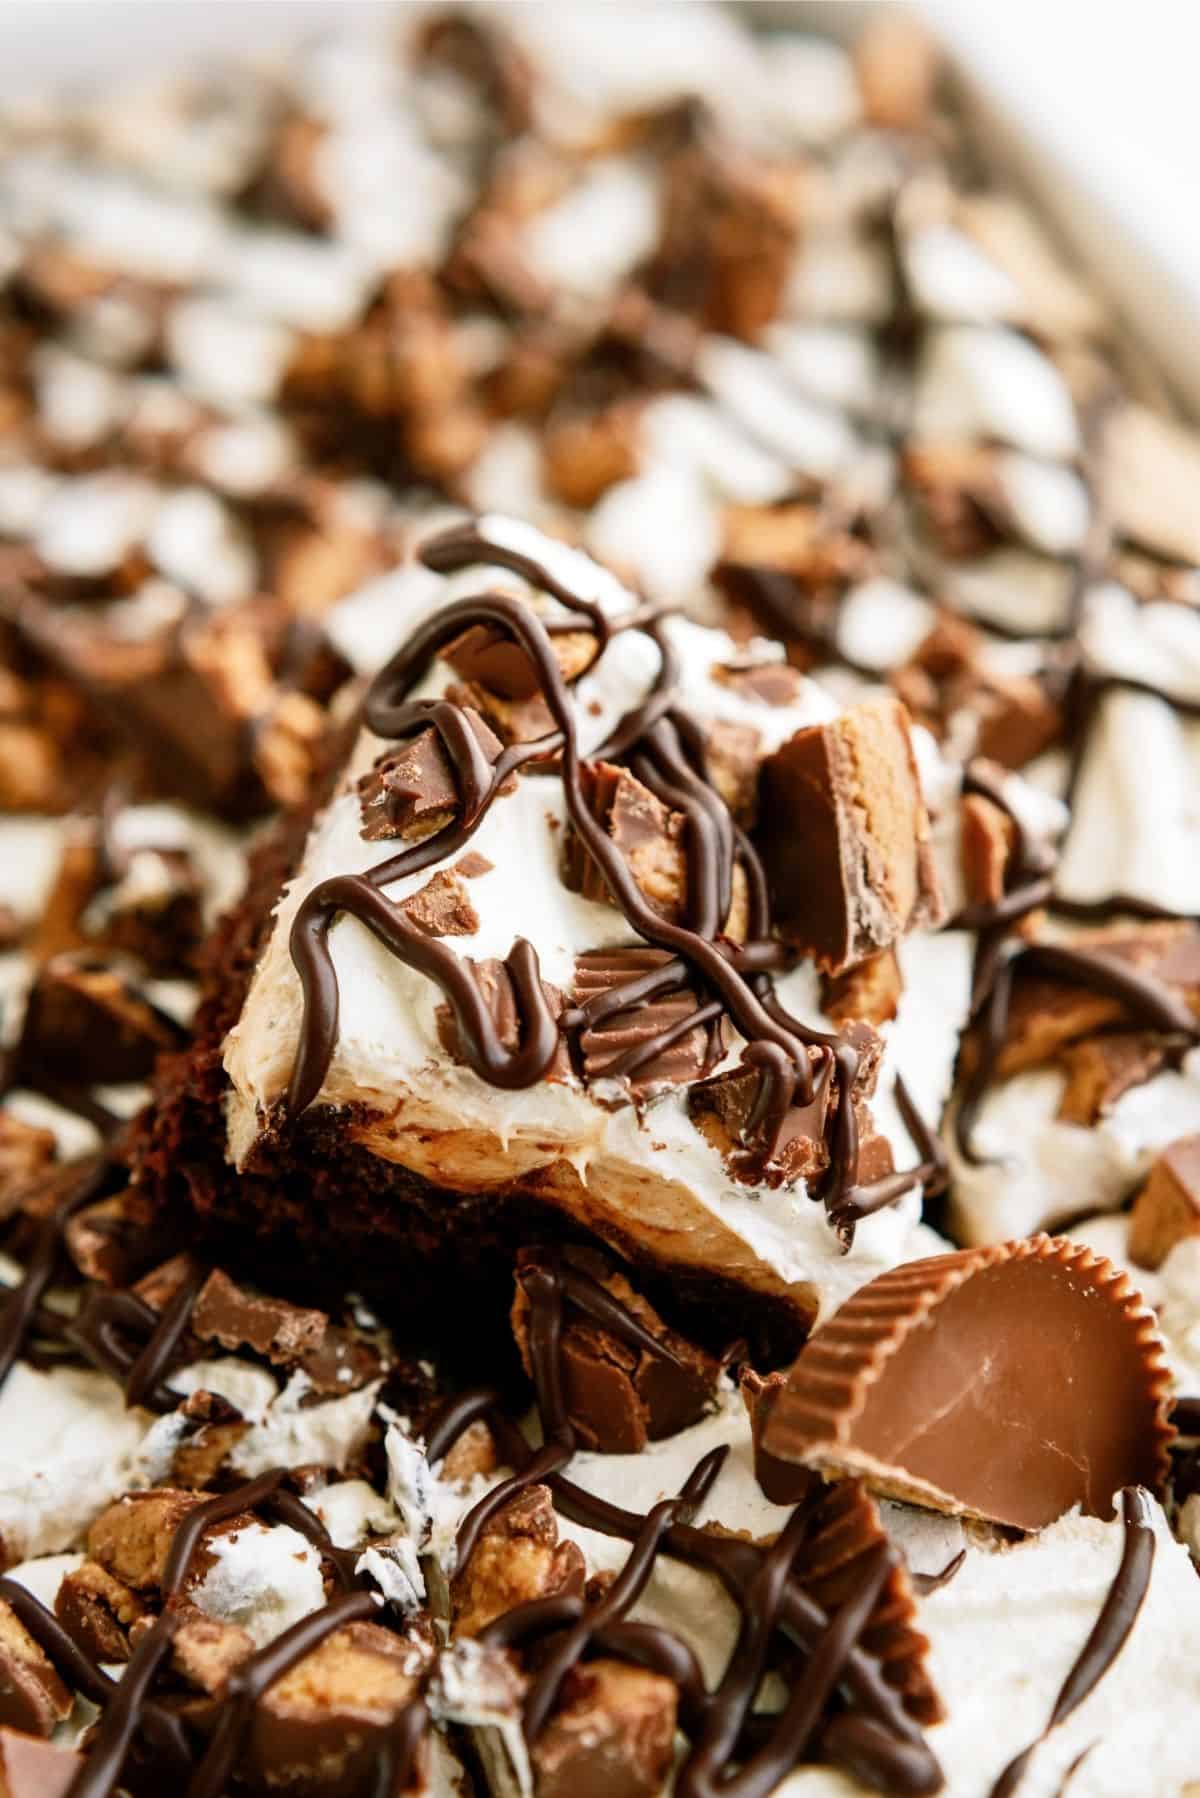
70, 1447
89, 523
1041, 1172
264, 1578
1004, 1634
289, 1425
224, 355
811, 438
1135, 828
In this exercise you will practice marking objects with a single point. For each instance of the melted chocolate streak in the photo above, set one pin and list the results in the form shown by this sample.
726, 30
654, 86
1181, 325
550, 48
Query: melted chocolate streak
664, 749
132, 1720
998, 960
873, 1738
1117, 1617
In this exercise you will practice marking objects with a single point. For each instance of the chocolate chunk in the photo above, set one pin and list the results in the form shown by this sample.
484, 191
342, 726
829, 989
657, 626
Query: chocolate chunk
768, 683
1100, 1068
344, 1361
26, 1151
790, 565
132, 1537
765, 1137
584, 453
959, 495
112, 1240
1047, 1014
1016, 718
85, 1022
731, 758
845, 836
513, 720
495, 984
620, 1392
281, 1333
32, 1696
320, 1728
611, 1735
1008, 1383
518, 1557
472, 865
869, 991
729, 225
33, 1769
647, 833
651, 840
153, 911
442, 907
98, 1611
411, 791
987, 839
632, 1044
1168, 1207
206, 1650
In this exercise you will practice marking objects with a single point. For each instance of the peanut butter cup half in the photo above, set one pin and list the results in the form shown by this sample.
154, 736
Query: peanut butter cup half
1008, 1383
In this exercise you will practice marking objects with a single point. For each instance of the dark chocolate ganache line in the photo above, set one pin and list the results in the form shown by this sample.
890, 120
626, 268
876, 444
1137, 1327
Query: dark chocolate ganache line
1109, 1633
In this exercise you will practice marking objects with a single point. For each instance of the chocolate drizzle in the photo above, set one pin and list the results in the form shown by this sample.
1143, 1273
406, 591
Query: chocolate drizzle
664, 750
876, 1738
1118, 1614
129, 1713
1147, 1000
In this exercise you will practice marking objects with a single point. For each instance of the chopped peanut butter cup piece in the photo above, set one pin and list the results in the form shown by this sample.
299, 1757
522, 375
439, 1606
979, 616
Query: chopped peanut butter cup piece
84, 1014
652, 841
411, 792
1100, 1068
648, 1043
518, 1557
628, 1380
32, 1696
869, 992
30, 1768
1168, 1207
320, 1729
847, 849
1007, 1383
1048, 1013
225, 1313
611, 1736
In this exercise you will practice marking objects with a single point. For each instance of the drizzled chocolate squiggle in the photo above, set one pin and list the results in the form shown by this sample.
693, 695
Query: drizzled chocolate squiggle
732, 1751
664, 749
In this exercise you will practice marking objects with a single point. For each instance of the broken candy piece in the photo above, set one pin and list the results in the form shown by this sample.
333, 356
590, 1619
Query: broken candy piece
619, 1393
1008, 1383
32, 1696
518, 1557
33, 1769
1168, 1207
612, 1733
411, 792
848, 854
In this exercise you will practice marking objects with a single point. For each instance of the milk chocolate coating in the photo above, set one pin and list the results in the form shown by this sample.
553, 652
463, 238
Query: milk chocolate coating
1008, 1383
